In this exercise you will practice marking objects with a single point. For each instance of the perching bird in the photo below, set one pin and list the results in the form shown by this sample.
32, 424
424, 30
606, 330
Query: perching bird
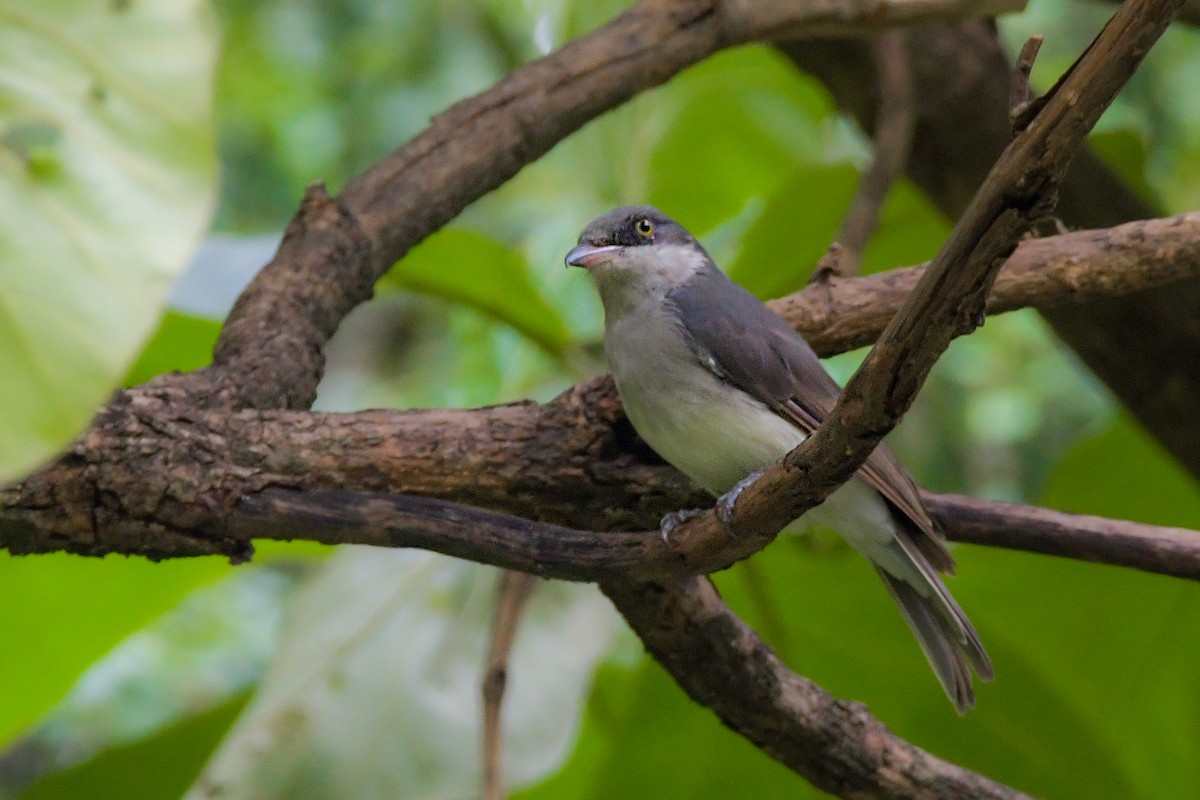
721, 388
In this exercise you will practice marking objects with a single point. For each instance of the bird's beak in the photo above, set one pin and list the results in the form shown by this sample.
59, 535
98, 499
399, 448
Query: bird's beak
587, 256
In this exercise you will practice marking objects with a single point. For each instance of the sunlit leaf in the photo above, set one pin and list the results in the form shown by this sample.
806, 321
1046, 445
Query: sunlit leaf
61, 613
479, 272
106, 182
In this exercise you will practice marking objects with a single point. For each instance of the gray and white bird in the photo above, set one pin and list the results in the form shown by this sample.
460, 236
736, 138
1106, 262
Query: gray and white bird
721, 388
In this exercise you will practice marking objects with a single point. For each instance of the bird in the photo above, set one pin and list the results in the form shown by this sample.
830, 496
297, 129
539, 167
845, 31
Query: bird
721, 387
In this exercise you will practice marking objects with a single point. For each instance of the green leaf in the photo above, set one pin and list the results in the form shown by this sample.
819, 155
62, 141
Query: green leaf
107, 180
797, 226
1126, 152
481, 273
63, 612
181, 343
738, 123
159, 767
1124, 473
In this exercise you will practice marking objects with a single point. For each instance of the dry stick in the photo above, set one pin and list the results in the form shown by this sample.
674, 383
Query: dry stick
515, 588
893, 137
1167, 551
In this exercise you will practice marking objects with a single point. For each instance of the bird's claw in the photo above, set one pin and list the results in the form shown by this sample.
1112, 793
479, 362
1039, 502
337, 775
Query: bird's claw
676, 518
726, 502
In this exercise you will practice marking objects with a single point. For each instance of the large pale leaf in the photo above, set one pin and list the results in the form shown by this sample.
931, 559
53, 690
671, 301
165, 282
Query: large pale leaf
375, 689
106, 182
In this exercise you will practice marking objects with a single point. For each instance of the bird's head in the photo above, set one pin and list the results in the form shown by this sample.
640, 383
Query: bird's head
636, 253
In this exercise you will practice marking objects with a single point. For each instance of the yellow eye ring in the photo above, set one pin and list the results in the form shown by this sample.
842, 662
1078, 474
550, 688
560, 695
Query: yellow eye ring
644, 227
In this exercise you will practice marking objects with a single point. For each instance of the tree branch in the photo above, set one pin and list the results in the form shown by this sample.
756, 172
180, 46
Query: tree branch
1150, 548
553, 551
157, 477
269, 353
837, 745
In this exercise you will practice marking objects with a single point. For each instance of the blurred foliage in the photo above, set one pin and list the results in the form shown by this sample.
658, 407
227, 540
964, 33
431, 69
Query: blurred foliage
1096, 694
160, 767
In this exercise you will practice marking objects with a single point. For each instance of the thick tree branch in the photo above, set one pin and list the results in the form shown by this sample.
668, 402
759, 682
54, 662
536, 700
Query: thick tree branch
269, 354
156, 476
836, 744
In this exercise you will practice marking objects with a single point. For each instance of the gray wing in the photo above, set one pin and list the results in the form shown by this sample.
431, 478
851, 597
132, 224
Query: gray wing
776, 366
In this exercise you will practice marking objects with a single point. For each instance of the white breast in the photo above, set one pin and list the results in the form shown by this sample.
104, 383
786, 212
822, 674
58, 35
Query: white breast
712, 432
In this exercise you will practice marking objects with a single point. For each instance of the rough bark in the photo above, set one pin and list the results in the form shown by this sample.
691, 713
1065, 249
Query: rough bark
157, 476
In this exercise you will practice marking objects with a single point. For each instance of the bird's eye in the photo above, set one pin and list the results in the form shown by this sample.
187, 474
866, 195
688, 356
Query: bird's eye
644, 227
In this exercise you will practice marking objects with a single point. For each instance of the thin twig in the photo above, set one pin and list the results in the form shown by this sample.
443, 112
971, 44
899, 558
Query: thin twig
893, 138
515, 588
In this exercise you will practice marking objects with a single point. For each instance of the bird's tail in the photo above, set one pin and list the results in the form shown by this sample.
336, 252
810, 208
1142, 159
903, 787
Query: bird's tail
945, 634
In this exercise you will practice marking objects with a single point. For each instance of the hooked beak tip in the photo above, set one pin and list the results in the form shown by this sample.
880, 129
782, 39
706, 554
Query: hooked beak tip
587, 256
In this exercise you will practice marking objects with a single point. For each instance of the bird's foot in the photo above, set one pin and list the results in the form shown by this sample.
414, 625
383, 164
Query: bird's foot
726, 502
676, 518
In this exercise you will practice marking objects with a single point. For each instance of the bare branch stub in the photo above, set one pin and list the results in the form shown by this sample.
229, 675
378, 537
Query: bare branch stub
1021, 106
515, 588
